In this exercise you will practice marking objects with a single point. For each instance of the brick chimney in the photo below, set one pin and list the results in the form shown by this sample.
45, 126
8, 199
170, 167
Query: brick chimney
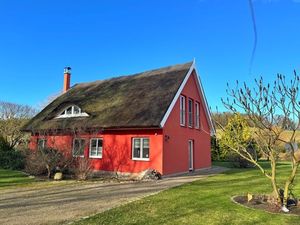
67, 79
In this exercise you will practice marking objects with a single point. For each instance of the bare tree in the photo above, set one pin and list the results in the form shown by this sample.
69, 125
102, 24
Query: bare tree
12, 118
269, 109
48, 100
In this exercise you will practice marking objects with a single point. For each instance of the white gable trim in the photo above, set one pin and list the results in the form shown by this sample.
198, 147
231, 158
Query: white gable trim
201, 92
206, 108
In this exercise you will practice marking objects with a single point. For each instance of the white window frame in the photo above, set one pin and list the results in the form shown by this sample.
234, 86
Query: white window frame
182, 110
190, 113
97, 146
63, 114
197, 115
75, 156
142, 149
191, 147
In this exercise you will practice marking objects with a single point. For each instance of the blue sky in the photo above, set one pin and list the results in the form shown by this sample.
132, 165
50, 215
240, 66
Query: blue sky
102, 39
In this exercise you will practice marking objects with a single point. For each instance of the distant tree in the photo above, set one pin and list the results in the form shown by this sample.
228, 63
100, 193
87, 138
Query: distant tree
12, 118
222, 117
268, 108
238, 135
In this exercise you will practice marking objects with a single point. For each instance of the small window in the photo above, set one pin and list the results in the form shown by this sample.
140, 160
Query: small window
41, 143
182, 110
69, 111
78, 147
140, 149
197, 115
190, 112
72, 111
96, 145
76, 110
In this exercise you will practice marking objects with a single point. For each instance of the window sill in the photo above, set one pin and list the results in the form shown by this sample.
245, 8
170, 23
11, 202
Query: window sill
78, 156
95, 157
182, 125
140, 159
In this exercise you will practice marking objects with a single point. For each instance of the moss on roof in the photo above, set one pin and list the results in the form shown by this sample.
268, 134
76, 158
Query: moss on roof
139, 100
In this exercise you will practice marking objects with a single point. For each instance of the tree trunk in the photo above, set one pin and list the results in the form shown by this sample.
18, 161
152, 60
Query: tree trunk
273, 180
49, 171
289, 181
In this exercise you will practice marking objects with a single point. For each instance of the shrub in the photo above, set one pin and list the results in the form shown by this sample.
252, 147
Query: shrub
46, 161
217, 152
82, 168
9, 157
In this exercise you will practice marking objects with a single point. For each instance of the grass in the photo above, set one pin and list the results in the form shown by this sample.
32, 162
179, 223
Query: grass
204, 201
10, 178
13, 179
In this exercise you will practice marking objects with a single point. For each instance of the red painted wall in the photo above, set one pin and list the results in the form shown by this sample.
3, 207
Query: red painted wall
175, 154
117, 149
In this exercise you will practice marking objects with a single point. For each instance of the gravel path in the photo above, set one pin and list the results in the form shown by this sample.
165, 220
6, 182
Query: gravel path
62, 204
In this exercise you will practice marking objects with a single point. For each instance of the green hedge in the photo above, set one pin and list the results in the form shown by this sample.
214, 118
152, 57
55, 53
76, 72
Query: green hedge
9, 157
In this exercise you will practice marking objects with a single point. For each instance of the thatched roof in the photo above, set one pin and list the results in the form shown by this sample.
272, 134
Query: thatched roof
139, 100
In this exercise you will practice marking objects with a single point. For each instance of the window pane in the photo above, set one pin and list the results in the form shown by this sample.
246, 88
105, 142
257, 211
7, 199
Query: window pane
76, 110
99, 151
99, 147
137, 143
94, 143
137, 148
197, 115
190, 112
182, 110
146, 153
78, 148
69, 110
145, 143
100, 143
82, 145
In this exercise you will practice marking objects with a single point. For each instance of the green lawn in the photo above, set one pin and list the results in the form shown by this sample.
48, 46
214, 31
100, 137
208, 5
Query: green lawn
10, 178
205, 201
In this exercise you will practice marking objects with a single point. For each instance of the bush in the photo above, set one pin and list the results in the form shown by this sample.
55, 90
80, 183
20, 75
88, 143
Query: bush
46, 161
82, 168
33, 164
216, 151
9, 157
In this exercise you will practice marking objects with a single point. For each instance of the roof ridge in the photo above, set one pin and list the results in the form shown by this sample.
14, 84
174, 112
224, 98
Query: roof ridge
162, 69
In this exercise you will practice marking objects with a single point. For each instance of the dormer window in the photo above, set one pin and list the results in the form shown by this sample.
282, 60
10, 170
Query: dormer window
72, 111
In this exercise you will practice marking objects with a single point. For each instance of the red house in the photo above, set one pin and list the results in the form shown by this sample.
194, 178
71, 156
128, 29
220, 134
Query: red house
157, 119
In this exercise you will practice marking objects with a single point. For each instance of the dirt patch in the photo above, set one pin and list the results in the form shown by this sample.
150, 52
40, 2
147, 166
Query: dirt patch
261, 202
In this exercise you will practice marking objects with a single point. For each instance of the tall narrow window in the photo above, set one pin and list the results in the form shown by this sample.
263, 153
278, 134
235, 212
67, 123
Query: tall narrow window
140, 149
96, 148
197, 115
182, 110
78, 147
190, 112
